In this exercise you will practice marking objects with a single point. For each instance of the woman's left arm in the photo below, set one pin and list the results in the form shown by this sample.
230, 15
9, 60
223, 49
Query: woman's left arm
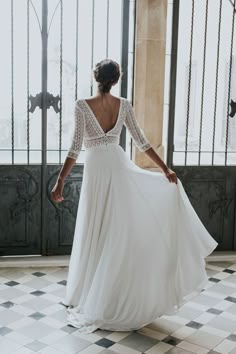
72, 154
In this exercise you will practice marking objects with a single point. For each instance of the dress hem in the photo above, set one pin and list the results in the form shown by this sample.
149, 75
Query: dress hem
78, 320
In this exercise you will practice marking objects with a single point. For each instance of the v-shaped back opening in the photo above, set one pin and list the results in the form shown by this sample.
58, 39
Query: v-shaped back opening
97, 121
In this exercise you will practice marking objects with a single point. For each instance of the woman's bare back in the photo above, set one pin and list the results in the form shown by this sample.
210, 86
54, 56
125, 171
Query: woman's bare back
105, 109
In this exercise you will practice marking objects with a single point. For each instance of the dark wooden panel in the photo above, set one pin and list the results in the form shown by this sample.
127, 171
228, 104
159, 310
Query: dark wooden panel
20, 215
61, 216
211, 191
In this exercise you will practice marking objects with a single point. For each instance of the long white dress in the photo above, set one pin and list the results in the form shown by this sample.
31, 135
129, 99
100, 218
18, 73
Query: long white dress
139, 247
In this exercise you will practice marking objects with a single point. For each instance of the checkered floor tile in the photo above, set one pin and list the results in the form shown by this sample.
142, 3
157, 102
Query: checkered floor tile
32, 318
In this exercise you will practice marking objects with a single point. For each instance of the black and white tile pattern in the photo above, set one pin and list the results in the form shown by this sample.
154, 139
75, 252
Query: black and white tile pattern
32, 318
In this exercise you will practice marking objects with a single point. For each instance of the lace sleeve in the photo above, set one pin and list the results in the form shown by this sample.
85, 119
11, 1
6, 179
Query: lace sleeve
78, 135
136, 132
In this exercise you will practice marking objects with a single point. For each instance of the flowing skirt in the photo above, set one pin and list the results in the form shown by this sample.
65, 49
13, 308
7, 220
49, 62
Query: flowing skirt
139, 246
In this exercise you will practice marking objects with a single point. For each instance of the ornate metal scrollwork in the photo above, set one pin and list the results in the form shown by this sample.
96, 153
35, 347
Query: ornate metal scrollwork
233, 108
27, 189
51, 101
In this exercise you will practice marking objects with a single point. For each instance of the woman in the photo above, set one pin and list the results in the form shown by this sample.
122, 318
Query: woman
139, 247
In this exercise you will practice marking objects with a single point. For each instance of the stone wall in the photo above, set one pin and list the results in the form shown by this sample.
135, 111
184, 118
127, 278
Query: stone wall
149, 72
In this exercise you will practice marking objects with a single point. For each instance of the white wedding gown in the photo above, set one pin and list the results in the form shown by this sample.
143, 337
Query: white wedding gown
139, 246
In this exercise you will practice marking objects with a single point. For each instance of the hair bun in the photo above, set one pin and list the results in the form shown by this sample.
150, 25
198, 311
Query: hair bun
106, 73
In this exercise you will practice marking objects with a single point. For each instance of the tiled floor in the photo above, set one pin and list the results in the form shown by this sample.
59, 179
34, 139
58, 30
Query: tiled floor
33, 320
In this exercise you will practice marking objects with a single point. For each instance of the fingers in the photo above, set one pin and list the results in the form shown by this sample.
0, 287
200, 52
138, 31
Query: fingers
56, 193
56, 197
172, 177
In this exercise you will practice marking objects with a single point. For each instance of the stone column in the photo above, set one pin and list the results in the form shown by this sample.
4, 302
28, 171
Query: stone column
149, 71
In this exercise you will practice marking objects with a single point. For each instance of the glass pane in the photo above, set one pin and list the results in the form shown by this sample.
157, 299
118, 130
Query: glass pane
62, 56
203, 81
20, 75
71, 56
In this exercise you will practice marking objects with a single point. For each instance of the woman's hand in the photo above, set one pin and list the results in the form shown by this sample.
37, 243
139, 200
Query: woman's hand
160, 163
57, 190
171, 175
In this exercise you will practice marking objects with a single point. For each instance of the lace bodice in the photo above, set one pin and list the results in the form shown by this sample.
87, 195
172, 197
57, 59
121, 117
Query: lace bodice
88, 130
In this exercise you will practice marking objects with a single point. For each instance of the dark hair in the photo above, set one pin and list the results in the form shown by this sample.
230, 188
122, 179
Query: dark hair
106, 73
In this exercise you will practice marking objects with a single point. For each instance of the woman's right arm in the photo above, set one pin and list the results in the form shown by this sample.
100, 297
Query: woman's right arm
170, 175
143, 144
